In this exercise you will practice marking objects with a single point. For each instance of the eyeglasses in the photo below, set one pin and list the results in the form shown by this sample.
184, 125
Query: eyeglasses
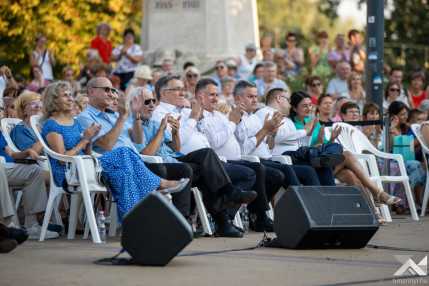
149, 101
394, 89
316, 84
190, 75
106, 89
175, 89
36, 104
220, 67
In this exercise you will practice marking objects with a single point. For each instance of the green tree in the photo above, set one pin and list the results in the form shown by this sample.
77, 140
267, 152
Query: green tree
68, 24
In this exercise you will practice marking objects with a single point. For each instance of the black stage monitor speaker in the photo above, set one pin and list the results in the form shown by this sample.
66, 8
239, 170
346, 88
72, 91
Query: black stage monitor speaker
307, 217
154, 231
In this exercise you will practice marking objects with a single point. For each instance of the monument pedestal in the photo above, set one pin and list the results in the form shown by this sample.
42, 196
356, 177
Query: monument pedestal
209, 29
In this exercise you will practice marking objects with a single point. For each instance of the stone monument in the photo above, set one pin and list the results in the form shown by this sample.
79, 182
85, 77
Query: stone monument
207, 29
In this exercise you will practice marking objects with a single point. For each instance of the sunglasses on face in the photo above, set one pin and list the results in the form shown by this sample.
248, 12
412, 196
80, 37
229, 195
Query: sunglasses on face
394, 89
35, 104
149, 101
190, 75
106, 89
220, 67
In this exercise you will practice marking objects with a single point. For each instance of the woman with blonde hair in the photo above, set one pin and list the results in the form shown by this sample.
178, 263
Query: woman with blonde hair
27, 104
128, 178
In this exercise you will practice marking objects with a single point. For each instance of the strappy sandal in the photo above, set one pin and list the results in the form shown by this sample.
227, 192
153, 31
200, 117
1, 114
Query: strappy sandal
379, 217
385, 198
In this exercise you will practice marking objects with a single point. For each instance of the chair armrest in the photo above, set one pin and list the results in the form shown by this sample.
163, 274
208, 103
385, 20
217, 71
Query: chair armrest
283, 159
151, 159
223, 159
250, 158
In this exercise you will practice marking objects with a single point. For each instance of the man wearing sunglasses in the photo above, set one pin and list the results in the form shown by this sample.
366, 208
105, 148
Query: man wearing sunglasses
221, 183
119, 129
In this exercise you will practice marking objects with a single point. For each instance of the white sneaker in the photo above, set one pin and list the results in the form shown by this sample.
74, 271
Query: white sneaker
36, 229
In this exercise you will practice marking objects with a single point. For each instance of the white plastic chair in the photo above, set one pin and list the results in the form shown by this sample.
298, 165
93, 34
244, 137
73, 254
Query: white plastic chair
356, 142
7, 124
425, 150
84, 189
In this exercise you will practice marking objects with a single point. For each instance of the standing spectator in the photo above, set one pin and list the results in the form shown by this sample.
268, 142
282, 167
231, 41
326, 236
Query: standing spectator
38, 81
258, 73
416, 92
294, 56
247, 62
43, 58
319, 56
340, 53
396, 75
338, 85
128, 56
391, 94
101, 42
68, 75
314, 88
357, 53
356, 90
270, 79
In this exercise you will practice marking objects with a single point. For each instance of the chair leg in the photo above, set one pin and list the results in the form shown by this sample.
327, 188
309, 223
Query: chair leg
202, 213
86, 231
18, 199
410, 199
113, 219
48, 212
75, 200
425, 196
270, 212
385, 212
57, 215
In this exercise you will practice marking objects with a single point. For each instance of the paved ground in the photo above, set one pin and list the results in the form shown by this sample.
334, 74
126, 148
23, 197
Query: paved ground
63, 262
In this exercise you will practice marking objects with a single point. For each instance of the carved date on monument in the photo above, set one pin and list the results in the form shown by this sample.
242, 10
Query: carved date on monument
167, 5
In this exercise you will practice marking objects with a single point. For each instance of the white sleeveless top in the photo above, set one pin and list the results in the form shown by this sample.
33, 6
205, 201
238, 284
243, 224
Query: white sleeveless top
45, 64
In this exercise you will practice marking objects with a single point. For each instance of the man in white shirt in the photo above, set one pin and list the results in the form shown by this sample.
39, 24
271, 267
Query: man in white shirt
210, 174
219, 130
256, 137
338, 87
287, 137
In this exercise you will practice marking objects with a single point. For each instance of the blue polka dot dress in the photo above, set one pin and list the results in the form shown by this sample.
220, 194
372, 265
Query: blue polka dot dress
128, 178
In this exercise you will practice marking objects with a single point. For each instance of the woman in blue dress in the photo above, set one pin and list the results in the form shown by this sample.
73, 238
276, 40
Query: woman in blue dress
126, 174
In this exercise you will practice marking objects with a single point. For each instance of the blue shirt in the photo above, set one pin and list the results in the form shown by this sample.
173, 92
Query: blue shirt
277, 83
150, 128
23, 136
3, 145
107, 120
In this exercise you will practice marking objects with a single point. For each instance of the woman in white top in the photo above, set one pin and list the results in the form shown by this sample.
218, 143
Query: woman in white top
356, 90
247, 62
128, 56
43, 58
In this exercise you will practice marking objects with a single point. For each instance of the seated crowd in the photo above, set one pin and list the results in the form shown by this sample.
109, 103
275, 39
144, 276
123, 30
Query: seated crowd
201, 127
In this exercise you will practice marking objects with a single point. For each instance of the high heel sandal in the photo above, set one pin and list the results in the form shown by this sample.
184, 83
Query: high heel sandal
385, 198
379, 217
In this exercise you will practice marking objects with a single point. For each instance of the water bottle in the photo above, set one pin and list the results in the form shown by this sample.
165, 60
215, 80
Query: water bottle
101, 224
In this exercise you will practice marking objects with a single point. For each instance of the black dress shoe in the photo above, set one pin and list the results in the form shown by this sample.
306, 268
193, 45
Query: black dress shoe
262, 224
7, 245
227, 229
18, 234
4, 232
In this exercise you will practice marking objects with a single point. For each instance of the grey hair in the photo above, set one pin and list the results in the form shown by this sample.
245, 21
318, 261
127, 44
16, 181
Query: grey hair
241, 86
50, 95
269, 64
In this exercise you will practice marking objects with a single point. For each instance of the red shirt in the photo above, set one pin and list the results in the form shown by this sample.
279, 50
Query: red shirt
417, 100
104, 48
